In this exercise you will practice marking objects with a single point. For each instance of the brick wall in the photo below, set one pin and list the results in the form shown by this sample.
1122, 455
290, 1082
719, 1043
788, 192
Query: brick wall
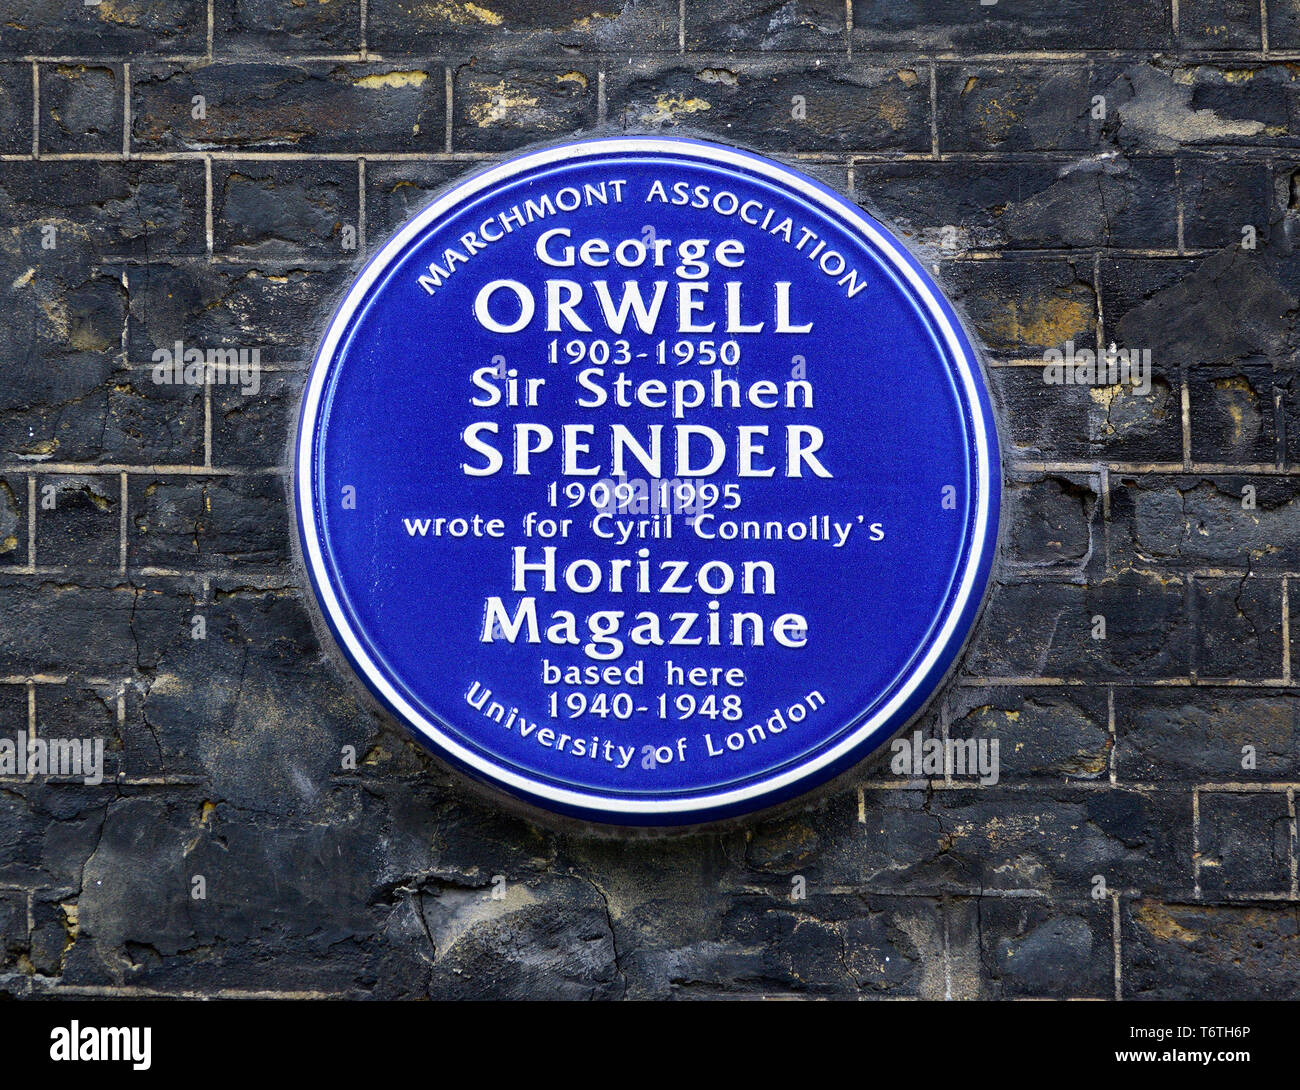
213, 171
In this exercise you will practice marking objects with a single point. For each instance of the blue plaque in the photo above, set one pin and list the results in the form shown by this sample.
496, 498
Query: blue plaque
647, 480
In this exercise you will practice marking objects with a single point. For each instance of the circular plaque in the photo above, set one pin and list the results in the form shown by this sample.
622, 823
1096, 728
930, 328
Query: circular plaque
647, 480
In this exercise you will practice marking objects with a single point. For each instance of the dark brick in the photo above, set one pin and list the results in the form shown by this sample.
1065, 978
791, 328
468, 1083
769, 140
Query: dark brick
13, 520
1159, 107
395, 192
1219, 24
207, 307
1021, 108
286, 26
1189, 522
1043, 732
848, 107
77, 520
91, 629
1219, 199
1053, 523
1213, 311
47, 832
815, 25
1025, 205
223, 707
218, 522
1046, 628
82, 108
278, 210
496, 108
520, 26
92, 413
552, 938
1184, 951
1245, 843
78, 712
310, 107
252, 429
13, 709
1010, 25
103, 209
1238, 627
1051, 422
13, 930
1033, 947
1198, 735
160, 27
309, 931
995, 839
15, 109
1235, 418
1024, 307
1283, 24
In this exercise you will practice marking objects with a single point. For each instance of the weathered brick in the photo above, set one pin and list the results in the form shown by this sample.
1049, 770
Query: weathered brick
1046, 628
82, 108
1199, 735
986, 107
82, 713
1010, 25
1219, 24
1024, 307
1057, 422
102, 209
1235, 413
13, 930
1026, 206
161, 27
395, 192
1034, 947
95, 628
1043, 732
253, 429
308, 931
495, 109
1220, 198
229, 307
1283, 24
1214, 311
527, 27
48, 830
1050, 839
846, 107
13, 520
1167, 106
1189, 951
219, 522
1053, 524
77, 520
814, 25
1245, 843
15, 109
314, 106
279, 210
1238, 627
1247, 523
283, 26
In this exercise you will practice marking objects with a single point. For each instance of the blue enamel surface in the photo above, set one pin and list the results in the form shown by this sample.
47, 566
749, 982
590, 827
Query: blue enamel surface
888, 396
